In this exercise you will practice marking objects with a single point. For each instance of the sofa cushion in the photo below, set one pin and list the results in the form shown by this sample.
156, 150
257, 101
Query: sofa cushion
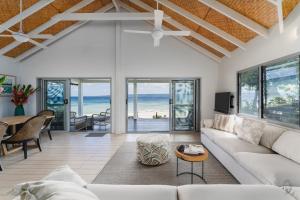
224, 122
238, 123
270, 168
234, 145
52, 190
270, 134
288, 145
208, 123
232, 192
251, 131
65, 173
212, 133
133, 192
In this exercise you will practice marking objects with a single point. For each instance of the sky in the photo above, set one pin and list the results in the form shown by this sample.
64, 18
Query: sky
103, 89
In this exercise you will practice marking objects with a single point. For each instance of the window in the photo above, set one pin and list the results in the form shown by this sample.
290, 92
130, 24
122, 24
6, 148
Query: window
249, 91
277, 96
281, 91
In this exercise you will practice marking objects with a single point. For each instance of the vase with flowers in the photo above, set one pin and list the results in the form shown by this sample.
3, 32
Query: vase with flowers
20, 96
2, 80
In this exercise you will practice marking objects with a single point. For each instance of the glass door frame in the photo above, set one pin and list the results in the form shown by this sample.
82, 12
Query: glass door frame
197, 102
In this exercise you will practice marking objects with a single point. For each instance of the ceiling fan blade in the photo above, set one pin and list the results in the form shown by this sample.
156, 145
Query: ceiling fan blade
156, 42
177, 33
40, 36
137, 31
37, 44
158, 19
6, 36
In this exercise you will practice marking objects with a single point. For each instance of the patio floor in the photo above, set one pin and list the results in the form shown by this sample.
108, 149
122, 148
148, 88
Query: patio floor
148, 125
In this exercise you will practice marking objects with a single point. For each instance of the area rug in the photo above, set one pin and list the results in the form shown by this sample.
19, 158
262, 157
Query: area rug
124, 168
93, 134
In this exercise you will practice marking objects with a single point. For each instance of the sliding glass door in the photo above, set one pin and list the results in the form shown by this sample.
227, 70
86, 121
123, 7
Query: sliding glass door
183, 105
55, 98
163, 105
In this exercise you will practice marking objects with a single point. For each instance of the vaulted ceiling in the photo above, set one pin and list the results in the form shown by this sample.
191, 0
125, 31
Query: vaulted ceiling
217, 27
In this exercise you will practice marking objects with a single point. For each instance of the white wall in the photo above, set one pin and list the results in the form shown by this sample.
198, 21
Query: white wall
261, 50
7, 67
91, 52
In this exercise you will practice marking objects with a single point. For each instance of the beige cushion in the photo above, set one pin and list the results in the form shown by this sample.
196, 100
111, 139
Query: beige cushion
270, 135
212, 134
234, 145
271, 168
224, 122
232, 192
52, 190
288, 145
238, 122
208, 123
251, 131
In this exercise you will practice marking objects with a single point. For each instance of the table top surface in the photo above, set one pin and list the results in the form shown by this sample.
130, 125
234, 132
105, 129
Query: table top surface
192, 158
14, 120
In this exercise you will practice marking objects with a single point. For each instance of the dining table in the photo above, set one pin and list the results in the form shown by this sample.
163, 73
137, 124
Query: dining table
12, 122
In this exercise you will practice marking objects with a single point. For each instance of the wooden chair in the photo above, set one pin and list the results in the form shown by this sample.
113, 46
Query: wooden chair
29, 132
3, 128
47, 124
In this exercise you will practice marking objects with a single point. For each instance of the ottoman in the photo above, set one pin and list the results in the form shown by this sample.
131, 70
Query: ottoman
153, 149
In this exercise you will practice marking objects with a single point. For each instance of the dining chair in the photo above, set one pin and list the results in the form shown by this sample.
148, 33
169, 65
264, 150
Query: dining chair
47, 124
29, 132
3, 128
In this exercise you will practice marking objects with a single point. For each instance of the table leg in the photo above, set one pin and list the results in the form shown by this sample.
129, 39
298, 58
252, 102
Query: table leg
177, 168
192, 170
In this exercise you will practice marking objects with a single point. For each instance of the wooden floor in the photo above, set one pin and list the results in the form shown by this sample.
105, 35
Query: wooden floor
86, 155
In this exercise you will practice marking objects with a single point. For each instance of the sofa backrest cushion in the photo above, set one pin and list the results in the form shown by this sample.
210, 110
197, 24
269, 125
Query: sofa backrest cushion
224, 122
251, 131
232, 192
270, 134
288, 145
238, 122
133, 192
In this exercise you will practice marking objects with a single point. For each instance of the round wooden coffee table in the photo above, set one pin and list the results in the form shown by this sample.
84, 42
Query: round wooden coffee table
192, 158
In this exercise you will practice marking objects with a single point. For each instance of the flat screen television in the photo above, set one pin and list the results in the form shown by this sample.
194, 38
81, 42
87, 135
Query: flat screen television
222, 102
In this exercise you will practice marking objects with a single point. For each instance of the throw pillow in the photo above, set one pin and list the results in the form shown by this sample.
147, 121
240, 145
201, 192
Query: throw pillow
288, 145
270, 134
238, 122
52, 190
251, 131
224, 122
66, 174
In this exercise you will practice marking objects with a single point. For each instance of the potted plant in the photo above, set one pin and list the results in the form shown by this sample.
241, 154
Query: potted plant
20, 96
2, 80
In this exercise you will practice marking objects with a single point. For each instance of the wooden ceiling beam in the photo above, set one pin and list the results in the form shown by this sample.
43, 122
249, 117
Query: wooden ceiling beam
182, 39
203, 23
280, 16
26, 13
232, 14
60, 35
184, 28
46, 25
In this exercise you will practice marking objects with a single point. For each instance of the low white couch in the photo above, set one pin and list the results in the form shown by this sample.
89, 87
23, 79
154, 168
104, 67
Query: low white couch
193, 192
64, 183
250, 163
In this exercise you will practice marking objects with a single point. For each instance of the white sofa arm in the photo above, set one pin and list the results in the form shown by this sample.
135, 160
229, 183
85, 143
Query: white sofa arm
133, 192
207, 123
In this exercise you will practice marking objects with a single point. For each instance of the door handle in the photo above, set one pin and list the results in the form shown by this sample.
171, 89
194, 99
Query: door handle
66, 101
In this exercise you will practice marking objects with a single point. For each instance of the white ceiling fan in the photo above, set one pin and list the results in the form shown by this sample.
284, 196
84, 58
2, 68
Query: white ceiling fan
20, 36
158, 33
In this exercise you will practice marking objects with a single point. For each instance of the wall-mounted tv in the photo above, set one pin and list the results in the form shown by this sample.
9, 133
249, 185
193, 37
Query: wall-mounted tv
223, 102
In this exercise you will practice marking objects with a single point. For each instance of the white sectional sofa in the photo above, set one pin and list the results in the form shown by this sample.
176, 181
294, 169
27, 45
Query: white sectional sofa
256, 164
64, 183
